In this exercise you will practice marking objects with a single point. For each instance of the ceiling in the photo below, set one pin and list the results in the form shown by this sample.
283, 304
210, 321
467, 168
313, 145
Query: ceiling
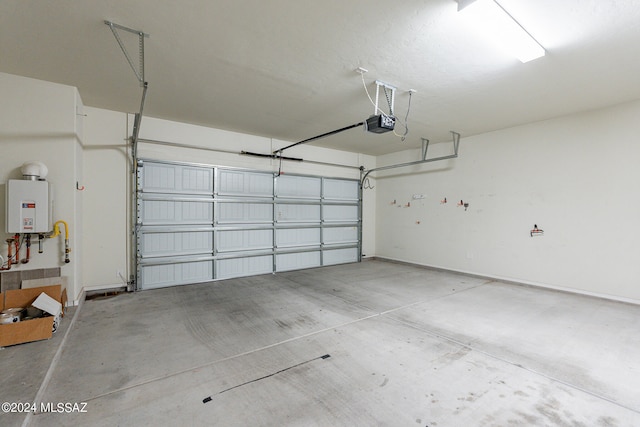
285, 69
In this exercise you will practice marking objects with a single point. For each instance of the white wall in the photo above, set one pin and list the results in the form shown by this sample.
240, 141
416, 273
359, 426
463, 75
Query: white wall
576, 177
38, 121
105, 199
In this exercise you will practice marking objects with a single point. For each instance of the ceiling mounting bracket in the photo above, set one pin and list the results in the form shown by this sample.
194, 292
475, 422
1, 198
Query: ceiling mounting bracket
139, 71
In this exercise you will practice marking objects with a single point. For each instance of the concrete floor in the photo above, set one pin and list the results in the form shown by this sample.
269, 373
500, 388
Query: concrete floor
406, 345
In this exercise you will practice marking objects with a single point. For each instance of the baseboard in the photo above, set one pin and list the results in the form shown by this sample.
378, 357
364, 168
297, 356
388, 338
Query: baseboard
514, 282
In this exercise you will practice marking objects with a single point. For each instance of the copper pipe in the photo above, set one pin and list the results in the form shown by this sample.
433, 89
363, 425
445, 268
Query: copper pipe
9, 255
28, 243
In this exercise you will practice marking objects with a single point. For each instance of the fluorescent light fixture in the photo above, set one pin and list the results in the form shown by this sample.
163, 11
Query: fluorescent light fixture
496, 23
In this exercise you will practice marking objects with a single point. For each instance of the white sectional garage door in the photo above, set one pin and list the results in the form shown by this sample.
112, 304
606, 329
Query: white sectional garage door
198, 223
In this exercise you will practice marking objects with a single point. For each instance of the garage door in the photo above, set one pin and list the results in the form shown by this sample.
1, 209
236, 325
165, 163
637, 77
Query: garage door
200, 223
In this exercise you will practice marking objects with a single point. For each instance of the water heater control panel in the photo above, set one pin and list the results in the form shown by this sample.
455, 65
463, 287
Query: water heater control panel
29, 206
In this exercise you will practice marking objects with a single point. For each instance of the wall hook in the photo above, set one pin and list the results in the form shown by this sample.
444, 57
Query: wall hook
78, 187
536, 231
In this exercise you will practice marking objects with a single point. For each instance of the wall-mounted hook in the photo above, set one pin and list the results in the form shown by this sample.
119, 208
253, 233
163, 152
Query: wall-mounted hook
78, 187
443, 201
536, 231
466, 205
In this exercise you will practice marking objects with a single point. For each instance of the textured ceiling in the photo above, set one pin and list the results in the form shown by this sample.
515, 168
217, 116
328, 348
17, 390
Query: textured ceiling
284, 69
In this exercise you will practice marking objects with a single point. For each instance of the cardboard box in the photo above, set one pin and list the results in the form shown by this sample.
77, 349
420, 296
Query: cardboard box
33, 329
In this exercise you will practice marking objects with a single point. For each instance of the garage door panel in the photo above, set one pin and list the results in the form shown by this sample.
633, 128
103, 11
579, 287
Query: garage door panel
168, 243
163, 275
239, 240
339, 235
241, 267
340, 213
297, 237
339, 256
297, 213
297, 261
299, 187
197, 180
341, 189
243, 183
154, 212
248, 213
171, 178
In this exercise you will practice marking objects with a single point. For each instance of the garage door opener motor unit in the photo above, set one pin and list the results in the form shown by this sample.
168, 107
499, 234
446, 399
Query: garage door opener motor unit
381, 123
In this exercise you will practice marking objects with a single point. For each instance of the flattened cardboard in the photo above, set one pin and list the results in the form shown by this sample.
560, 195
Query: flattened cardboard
45, 303
29, 330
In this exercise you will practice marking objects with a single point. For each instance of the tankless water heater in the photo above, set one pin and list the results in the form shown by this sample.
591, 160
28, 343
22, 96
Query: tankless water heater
29, 206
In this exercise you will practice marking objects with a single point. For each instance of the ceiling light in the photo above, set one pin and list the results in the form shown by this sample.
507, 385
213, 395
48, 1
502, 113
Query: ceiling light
493, 21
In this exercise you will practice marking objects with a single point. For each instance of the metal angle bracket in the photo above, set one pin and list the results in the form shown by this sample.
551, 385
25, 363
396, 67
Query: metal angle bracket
456, 141
139, 71
425, 147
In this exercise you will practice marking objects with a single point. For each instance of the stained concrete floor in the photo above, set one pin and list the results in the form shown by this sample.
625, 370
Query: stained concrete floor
375, 343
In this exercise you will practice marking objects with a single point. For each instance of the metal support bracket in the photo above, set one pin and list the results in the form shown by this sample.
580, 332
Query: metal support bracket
456, 141
139, 71
425, 146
